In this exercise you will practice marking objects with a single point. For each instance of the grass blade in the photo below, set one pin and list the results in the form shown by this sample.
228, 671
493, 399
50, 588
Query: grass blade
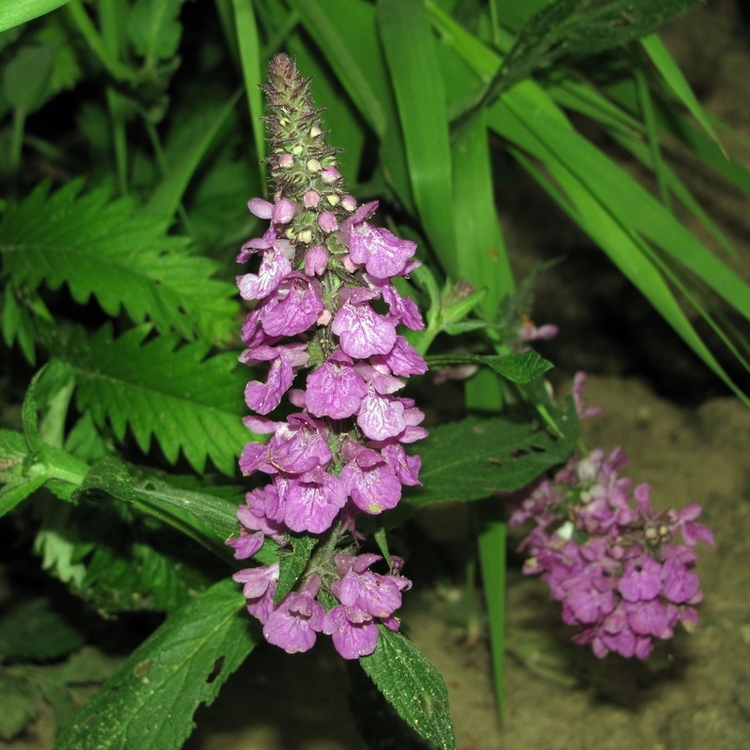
417, 81
249, 47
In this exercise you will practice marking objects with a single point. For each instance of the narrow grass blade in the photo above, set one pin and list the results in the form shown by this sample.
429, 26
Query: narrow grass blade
345, 31
334, 25
15, 12
249, 47
417, 81
647, 113
672, 75
482, 257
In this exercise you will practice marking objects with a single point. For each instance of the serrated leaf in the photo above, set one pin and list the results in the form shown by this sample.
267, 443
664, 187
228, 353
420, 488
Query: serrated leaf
20, 706
579, 28
17, 490
207, 518
522, 367
18, 325
188, 401
96, 246
33, 631
13, 451
292, 563
153, 28
132, 576
489, 455
412, 686
149, 703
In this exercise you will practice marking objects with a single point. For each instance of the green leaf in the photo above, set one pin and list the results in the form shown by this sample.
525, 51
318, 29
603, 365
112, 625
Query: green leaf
26, 77
17, 490
125, 575
13, 452
292, 564
207, 518
15, 12
98, 247
29, 412
33, 631
249, 48
412, 686
18, 323
20, 704
482, 257
418, 84
195, 134
665, 64
518, 368
188, 401
490, 455
150, 701
154, 29
579, 28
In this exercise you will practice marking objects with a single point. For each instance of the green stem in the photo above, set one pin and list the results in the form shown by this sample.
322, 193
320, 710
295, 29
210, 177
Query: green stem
483, 392
115, 103
16, 140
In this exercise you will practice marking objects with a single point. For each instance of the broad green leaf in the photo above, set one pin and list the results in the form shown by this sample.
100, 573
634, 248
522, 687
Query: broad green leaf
150, 701
13, 451
518, 368
97, 246
292, 563
20, 703
15, 12
490, 455
26, 77
124, 574
417, 82
412, 686
154, 29
205, 517
188, 401
33, 631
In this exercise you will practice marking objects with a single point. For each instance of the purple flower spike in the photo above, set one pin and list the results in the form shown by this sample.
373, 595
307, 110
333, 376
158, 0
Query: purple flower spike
313, 325
626, 581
